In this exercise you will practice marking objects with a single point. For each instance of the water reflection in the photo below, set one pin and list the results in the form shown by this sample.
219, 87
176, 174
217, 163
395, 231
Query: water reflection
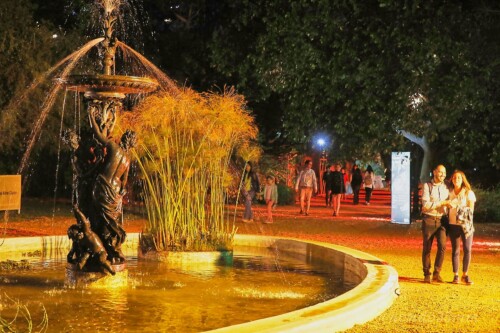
254, 283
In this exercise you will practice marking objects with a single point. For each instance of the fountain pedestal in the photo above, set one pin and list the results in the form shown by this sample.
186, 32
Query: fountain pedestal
78, 278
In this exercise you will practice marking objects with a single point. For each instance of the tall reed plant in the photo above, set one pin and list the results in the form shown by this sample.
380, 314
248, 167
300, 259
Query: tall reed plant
187, 141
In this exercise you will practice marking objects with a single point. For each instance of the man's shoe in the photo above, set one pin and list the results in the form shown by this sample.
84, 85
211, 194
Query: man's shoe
301, 212
467, 280
437, 278
427, 279
307, 213
455, 279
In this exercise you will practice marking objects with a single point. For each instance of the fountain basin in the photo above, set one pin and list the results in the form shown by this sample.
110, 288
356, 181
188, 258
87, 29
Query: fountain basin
375, 291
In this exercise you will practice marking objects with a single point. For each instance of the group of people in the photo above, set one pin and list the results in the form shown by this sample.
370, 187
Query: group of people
251, 186
447, 210
337, 183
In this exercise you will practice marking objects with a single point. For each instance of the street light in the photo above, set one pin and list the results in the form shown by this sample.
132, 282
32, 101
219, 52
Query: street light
321, 142
322, 163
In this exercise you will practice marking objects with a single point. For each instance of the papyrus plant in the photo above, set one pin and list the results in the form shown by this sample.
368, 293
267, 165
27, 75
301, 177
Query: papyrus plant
186, 144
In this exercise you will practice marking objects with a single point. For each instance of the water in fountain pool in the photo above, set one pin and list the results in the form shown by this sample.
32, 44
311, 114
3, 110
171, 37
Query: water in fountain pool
254, 283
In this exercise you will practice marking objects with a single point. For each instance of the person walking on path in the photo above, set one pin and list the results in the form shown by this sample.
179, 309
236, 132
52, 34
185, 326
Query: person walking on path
271, 197
338, 188
307, 183
249, 187
327, 179
434, 209
368, 180
462, 200
347, 184
356, 181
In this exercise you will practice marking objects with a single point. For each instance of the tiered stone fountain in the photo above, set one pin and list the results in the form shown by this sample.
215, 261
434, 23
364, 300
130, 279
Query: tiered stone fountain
100, 164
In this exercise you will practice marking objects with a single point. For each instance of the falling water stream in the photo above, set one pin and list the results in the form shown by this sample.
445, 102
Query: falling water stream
50, 99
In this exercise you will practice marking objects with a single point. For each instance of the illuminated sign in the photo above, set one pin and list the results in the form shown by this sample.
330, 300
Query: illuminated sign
400, 188
10, 192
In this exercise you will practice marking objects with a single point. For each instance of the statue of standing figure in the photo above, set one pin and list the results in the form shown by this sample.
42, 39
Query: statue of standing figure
109, 188
100, 171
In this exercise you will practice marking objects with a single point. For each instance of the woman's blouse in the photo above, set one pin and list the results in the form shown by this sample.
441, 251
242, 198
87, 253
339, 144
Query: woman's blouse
460, 200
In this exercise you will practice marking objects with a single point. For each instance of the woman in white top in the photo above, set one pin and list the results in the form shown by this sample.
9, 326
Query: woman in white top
368, 180
461, 196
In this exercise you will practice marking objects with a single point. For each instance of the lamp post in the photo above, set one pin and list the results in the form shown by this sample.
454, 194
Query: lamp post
322, 164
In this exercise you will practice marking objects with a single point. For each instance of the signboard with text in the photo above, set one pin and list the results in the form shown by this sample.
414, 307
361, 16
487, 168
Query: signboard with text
400, 188
10, 192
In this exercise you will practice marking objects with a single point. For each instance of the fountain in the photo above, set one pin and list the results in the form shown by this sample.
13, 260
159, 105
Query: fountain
102, 174
312, 286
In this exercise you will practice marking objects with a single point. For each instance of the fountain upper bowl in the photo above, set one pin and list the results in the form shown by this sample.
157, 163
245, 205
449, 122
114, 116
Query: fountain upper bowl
109, 84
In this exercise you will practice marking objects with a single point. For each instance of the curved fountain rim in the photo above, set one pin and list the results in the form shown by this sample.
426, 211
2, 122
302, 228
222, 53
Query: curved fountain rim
367, 300
125, 84
364, 302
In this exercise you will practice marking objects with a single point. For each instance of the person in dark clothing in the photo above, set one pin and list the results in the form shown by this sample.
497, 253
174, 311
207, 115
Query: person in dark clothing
356, 181
327, 179
249, 187
387, 174
338, 188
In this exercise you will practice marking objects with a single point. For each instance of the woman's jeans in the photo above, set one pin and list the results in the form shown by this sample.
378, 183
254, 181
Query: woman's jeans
368, 193
248, 197
456, 234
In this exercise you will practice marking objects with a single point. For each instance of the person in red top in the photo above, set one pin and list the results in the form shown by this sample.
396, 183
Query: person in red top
346, 182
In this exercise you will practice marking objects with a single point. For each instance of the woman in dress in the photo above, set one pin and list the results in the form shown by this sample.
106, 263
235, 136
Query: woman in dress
338, 188
462, 200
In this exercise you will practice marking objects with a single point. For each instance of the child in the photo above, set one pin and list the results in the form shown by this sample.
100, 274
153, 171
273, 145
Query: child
86, 244
271, 197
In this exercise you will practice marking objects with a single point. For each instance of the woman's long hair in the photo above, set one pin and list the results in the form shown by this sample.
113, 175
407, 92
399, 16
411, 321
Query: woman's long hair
465, 182
246, 173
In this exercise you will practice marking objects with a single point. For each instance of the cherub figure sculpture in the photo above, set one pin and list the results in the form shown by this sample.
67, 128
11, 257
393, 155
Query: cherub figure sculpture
86, 244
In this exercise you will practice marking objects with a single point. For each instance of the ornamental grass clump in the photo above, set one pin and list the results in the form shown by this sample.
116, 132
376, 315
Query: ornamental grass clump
187, 141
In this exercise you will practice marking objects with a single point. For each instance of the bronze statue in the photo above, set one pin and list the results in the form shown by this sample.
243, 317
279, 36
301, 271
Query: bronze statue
86, 244
85, 158
109, 189
100, 165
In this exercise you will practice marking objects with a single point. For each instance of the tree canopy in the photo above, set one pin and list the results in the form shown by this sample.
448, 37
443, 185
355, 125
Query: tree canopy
362, 71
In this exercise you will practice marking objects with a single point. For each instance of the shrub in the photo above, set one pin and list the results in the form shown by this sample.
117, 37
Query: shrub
487, 209
186, 144
286, 195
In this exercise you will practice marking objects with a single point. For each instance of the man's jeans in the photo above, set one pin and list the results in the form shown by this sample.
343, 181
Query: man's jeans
432, 228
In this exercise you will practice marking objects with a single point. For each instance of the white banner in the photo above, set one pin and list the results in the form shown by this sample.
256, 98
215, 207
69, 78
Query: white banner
400, 188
